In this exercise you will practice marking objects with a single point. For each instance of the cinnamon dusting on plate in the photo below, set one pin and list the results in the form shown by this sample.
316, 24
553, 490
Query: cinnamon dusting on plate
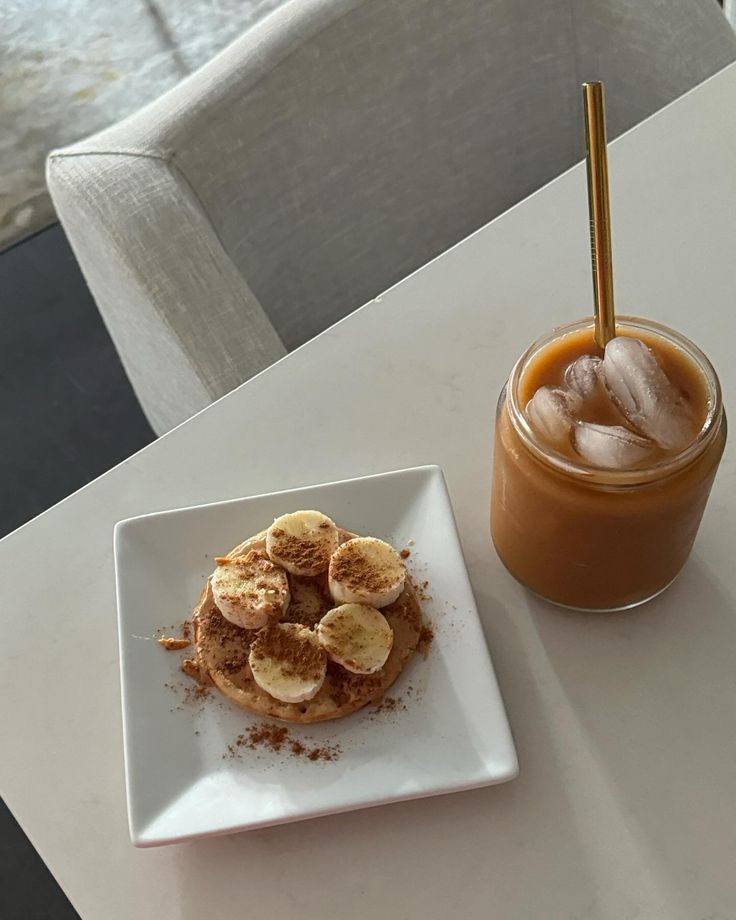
278, 740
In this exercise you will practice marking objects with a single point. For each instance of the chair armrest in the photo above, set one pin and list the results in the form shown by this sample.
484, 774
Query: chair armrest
187, 327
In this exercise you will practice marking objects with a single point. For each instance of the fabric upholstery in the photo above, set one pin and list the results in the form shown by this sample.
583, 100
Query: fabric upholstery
185, 323
334, 148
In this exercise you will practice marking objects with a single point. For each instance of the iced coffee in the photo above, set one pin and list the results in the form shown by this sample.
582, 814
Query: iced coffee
603, 463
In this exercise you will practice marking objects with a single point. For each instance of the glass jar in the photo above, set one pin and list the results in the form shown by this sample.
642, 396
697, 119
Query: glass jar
594, 539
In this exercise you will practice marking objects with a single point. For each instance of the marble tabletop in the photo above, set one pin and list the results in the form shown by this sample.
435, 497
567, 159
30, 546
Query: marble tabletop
624, 723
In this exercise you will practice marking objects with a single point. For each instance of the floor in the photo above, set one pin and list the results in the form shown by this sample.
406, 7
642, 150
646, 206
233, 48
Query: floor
67, 414
83, 65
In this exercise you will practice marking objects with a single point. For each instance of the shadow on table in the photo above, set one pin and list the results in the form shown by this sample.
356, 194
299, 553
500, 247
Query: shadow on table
653, 691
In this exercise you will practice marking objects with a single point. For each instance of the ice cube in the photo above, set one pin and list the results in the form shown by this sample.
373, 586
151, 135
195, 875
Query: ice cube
644, 393
551, 411
583, 375
610, 447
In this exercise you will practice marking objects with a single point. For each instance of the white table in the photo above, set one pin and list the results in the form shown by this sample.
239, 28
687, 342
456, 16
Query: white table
626, 803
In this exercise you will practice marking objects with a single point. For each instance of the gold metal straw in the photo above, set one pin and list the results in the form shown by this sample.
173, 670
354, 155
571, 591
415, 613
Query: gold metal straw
600, 216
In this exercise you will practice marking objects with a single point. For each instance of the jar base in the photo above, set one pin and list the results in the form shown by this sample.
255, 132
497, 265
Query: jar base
619, 609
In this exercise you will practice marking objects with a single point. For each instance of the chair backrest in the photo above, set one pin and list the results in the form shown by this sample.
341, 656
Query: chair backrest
340, 144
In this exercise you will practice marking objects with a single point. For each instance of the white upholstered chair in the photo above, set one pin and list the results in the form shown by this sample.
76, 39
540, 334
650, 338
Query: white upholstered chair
335, 147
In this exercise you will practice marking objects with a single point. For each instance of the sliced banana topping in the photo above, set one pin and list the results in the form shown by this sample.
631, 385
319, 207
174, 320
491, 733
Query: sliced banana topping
356, 636
250, 591
288, 662
366, 571
302, 542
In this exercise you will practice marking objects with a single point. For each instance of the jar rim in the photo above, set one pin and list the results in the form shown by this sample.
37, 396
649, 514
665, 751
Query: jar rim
613, 478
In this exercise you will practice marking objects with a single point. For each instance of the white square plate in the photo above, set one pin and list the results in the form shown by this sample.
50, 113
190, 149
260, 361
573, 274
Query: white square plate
453, 734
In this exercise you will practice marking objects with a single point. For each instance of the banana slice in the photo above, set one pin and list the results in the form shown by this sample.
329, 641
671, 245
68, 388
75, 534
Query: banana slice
366, 571
250, 590
302, 542
288, 662
356, 636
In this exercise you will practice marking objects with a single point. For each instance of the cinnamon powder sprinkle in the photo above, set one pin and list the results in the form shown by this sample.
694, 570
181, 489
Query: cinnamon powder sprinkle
192, 695
423, 591
350, 567
299, 655
425, 639
276, 738
302, 553
391, 704
196, 694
